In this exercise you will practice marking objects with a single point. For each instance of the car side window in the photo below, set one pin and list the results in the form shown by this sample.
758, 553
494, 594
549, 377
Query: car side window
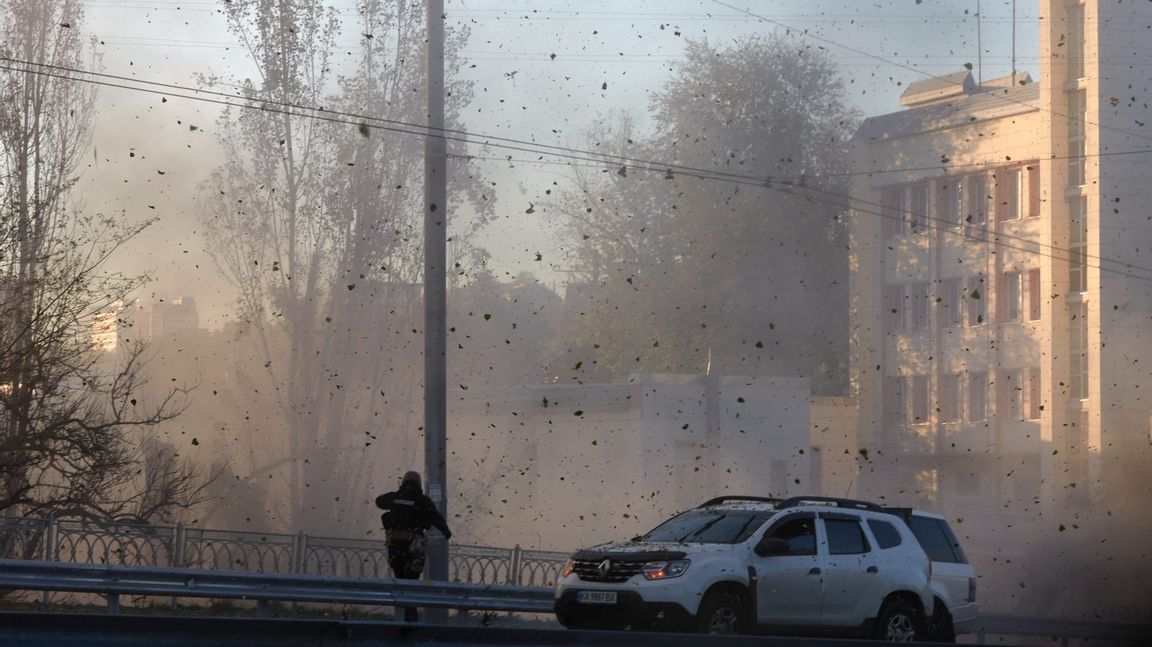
800, 533
885, 533
937, 540
845, 537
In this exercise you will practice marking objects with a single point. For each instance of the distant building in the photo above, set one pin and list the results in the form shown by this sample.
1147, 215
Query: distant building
106, 327
164, 317
142, 321
1002, 274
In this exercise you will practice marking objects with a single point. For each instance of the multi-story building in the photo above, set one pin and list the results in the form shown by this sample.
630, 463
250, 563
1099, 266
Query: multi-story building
1002, 274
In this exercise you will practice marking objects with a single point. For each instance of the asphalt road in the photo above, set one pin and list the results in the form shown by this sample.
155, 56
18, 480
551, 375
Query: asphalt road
54, 630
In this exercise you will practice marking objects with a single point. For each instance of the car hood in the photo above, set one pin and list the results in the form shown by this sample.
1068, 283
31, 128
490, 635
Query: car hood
648, 551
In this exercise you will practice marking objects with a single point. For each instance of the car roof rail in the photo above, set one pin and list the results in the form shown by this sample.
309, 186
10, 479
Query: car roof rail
738, 497
839, 503
904, 513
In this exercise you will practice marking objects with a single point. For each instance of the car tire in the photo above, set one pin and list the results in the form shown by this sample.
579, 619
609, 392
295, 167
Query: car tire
898, 622
722, 613
942, 629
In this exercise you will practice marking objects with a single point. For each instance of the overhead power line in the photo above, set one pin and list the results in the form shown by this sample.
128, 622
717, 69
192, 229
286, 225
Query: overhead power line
491, 140
804, 33
800, 187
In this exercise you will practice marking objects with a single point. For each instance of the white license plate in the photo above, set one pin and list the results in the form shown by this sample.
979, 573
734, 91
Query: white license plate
596, 597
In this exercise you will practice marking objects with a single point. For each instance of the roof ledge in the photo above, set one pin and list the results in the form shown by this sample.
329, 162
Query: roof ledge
938, 89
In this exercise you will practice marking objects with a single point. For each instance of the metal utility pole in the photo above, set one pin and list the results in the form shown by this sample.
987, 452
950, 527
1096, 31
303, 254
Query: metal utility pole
1013, 43
435, 298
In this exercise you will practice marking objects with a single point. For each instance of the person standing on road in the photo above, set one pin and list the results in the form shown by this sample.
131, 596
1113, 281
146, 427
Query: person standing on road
408, 514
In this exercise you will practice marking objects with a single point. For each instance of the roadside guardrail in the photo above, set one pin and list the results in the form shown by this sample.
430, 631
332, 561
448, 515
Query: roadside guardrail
114, 581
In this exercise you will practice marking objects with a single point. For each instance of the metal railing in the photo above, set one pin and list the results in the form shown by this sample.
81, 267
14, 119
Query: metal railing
114, 581
52, 540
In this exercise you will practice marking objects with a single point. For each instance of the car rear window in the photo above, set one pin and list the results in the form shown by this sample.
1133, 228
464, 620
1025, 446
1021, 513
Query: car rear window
885, 533
937, 540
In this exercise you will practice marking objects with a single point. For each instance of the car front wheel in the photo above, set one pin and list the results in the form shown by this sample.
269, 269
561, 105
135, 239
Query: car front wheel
898, 622
721, 613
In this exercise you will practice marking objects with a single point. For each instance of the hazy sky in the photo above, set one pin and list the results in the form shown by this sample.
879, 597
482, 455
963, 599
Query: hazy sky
148, 160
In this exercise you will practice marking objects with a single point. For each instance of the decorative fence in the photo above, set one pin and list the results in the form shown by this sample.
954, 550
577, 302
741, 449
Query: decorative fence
179, 546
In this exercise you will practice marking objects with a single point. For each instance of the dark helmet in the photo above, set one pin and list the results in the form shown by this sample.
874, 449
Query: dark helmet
411, 478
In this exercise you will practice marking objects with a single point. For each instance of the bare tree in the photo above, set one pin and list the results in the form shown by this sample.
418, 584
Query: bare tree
68, 410
317, 224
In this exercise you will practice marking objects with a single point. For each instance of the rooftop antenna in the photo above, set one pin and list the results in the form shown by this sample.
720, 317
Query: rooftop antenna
1013, 42
979, 47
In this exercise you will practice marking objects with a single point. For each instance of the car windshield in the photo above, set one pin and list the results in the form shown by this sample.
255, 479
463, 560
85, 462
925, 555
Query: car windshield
709, 526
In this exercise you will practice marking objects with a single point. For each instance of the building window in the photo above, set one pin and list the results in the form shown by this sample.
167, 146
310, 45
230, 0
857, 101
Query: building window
976, 301
894, 307
1010, 404
949, 300
1078, 245
1008, 297
1077, 137
918, 209
1008, 194
919, 400
895, 407
1034, 294
1032, 174
1074, 48
892, 211
949, 401
1035, 401
977, 397
1078, 352
918, 305
951, 203
976, 207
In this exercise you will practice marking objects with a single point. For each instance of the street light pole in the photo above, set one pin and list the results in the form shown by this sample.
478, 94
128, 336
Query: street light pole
435, 298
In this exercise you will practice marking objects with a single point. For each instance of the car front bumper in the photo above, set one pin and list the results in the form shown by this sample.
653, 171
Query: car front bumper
630, 609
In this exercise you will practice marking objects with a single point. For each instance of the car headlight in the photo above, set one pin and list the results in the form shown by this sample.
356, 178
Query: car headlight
569, 566
665, 570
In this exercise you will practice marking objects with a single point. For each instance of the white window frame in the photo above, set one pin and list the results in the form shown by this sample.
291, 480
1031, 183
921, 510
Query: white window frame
1008, 297
1035, 295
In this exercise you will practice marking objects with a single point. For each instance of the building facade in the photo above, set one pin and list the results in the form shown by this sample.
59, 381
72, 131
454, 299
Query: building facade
1002, 276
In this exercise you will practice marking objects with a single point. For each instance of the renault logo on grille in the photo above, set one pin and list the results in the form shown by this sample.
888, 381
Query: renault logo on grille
604, 567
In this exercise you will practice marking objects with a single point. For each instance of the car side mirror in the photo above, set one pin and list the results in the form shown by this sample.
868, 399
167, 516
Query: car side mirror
772, 546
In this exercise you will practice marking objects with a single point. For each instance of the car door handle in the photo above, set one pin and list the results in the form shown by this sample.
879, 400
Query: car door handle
872, 569
815, 571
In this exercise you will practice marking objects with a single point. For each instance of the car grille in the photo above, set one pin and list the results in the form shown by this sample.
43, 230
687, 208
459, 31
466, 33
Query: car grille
590, 570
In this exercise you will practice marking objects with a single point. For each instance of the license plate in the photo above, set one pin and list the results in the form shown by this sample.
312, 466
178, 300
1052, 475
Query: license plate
596, 597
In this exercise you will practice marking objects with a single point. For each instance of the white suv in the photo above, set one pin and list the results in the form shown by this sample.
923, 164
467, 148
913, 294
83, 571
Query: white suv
737, 564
